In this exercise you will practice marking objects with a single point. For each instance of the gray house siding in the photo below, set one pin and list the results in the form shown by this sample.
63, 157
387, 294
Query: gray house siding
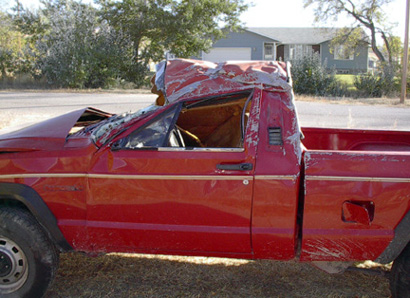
357, 65
246, 40
286, 52
250, 44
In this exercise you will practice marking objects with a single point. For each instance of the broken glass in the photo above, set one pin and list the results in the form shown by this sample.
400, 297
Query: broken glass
153, 135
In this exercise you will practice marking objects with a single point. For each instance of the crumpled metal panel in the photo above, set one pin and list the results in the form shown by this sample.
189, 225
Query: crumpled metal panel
50, 134
186, 78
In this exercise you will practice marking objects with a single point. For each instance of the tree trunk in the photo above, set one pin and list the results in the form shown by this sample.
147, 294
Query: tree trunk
3, 71
387, 44
374, 45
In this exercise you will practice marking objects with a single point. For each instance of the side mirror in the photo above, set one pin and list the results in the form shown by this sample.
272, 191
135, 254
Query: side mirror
116, 146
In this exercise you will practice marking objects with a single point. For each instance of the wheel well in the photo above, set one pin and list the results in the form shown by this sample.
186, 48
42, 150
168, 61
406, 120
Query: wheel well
9, 202
24, 197
400, 241
14, 203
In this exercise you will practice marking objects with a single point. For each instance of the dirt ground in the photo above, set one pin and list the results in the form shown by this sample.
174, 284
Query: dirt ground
135, 275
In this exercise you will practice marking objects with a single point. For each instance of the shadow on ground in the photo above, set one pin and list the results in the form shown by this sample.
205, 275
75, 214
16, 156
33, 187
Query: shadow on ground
134, 275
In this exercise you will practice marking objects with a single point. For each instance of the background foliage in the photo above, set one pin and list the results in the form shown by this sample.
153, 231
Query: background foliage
384, 83
77, 50
70, 44
15, 51
111, 43
370, 26
311, 77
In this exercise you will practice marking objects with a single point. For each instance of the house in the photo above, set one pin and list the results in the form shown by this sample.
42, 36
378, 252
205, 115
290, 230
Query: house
373, 62
287, 44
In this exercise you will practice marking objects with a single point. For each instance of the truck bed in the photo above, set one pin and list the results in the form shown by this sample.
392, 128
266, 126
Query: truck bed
355, 139
357, 186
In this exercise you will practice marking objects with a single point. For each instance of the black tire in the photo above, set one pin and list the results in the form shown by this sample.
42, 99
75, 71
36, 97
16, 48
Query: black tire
28, 259
400, 275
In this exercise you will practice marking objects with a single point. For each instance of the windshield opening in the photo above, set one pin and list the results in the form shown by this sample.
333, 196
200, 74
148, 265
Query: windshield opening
104, 129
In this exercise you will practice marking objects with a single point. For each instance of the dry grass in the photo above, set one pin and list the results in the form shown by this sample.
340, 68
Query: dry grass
13, 120
135, 275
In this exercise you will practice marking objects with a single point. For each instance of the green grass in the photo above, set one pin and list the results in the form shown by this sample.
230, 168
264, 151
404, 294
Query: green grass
348, 79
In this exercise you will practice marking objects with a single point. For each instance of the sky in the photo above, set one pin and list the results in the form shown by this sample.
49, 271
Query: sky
285, 13
291, 13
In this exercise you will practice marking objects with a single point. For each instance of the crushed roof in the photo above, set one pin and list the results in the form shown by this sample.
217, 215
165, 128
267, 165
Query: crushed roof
185, 78
296, 35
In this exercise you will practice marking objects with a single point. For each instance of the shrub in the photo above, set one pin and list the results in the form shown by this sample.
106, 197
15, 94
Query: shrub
368, 85
381, 84
311, 77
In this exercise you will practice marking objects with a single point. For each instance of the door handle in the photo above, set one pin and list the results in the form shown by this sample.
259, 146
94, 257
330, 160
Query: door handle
235, 167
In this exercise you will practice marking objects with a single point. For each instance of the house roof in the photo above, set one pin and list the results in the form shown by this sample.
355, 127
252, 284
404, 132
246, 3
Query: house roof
295, 35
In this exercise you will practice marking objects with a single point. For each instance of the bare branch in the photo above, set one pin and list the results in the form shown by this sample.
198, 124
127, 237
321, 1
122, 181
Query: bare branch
368, 15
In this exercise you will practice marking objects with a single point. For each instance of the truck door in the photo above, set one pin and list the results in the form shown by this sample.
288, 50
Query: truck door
183, 181
276, 189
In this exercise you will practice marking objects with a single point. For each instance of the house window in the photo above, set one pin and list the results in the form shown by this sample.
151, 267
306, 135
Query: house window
298, 51
269, 51
342, 52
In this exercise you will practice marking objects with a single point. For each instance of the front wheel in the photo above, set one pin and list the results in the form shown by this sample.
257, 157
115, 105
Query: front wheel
400, 275
28, 259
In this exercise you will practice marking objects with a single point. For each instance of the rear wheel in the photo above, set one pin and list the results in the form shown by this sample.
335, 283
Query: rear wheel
28, 259
400, 275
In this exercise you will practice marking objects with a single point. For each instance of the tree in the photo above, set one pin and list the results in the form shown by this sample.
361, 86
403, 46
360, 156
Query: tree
76, 49
183, 27
30, 23
29, 26
13, 52
396, 48
6, 46
367, 14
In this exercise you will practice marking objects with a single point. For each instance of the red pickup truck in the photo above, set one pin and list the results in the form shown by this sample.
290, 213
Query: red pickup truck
218, 166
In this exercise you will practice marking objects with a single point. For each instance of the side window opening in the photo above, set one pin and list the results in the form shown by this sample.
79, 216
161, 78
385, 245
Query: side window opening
216, 124
211, 123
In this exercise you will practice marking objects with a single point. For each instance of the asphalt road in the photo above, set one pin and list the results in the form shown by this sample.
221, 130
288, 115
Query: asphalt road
319, 114
18, 108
